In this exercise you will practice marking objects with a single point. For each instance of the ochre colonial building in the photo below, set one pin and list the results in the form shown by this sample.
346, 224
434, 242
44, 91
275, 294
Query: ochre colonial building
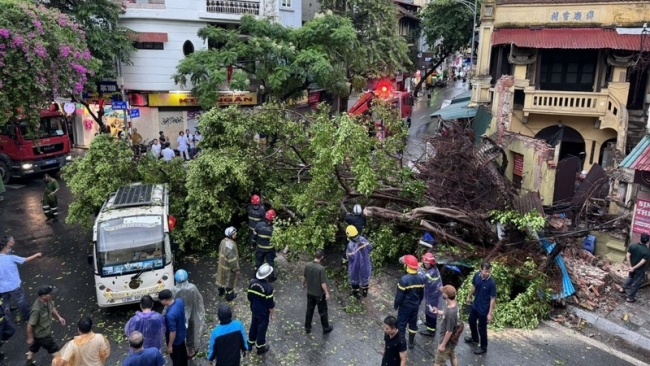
577, 90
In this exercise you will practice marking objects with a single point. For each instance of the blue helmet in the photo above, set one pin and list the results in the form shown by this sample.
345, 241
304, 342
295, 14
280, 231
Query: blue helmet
181, 276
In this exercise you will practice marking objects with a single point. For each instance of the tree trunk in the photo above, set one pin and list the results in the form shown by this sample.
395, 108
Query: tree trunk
97, 117
430, 72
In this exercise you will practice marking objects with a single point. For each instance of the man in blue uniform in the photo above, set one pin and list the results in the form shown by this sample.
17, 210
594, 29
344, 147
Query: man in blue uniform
432, 294
260, 296
255, 212
356, 219
359, 265
410, 291
262, 238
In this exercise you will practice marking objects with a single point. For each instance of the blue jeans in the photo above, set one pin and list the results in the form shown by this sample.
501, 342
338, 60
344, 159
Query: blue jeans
19, 296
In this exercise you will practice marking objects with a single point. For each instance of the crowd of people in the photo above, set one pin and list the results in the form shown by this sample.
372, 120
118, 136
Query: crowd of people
160, 148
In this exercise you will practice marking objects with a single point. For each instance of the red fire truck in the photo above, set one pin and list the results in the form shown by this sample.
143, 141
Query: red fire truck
384, 90
47, 149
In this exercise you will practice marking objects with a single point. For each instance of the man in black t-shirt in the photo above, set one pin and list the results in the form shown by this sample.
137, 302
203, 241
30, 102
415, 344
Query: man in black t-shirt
394, 353
636, 259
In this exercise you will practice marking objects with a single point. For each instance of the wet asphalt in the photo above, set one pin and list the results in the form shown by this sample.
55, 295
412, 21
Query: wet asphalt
357, 336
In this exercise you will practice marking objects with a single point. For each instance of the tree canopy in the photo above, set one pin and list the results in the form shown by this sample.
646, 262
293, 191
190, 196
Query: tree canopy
447, 27
43, 55
284, 60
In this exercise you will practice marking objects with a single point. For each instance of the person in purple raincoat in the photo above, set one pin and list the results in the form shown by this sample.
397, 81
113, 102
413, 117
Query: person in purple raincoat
359, 266
432, 293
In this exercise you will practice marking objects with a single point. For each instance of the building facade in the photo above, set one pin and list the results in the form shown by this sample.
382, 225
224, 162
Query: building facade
577, 85
166, 32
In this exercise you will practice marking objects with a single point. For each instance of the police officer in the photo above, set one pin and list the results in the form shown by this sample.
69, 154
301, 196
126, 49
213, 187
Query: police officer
262, 238
356, 219
410, 291
260, 296
255, 213
432, 294
359, 265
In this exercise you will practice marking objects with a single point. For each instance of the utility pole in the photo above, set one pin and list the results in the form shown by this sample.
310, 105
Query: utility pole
473, 8
120, 83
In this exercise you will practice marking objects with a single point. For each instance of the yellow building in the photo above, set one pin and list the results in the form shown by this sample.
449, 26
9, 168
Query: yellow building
578, 83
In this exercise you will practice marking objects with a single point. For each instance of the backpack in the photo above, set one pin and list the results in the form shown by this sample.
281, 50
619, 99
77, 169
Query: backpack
458, 331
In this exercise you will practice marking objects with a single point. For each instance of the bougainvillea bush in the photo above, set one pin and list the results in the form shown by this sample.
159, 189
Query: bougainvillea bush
43, 55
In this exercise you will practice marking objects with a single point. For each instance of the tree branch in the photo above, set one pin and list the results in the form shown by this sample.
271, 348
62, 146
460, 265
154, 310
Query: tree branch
294, 90
338, 177
442, 58
97, 117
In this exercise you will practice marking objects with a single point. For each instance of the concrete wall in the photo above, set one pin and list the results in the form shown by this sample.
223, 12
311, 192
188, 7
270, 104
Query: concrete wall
291, 16
537, 175
309, 9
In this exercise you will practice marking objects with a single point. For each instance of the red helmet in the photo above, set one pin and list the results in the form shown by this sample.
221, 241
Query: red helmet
270, 215
429, 258
255, 199
411, 262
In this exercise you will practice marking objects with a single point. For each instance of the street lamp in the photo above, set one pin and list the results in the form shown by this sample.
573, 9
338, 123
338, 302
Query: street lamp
473, 8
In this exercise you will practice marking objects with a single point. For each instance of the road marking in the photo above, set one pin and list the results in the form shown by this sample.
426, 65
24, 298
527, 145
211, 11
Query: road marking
595, 343
14, 186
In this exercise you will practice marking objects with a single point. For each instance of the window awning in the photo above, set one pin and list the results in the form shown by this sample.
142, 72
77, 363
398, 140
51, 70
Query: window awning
567, 38
457, 109
149, 37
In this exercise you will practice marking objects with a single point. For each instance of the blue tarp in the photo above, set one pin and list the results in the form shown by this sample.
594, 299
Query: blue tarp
567, 286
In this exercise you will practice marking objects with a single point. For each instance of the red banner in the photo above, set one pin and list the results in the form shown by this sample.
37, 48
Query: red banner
518, 167
641, 222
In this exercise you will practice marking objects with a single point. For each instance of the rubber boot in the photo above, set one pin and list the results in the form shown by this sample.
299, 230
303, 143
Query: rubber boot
355, 292
222, 291
364, 291
230, 294
411, 340
428, 333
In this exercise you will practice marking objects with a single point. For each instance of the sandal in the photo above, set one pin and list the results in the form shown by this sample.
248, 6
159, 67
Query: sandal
630, 300
621, 291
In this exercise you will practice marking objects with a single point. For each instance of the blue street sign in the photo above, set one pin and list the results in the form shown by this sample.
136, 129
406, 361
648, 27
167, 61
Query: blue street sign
134, 112
118, 106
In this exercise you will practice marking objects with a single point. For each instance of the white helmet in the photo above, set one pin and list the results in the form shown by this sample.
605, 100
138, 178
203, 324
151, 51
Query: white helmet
230, 231
264, 271
357, 209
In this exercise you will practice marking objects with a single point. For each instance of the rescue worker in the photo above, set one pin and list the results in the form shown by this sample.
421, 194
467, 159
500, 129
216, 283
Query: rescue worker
356, 219
50, 201
228, 269
255, 212
260, 296
265, 251
410, 291
359, 265
194, 310
432, 294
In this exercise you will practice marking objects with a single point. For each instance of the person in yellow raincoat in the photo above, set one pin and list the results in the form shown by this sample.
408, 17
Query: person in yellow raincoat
228, 269
86, 349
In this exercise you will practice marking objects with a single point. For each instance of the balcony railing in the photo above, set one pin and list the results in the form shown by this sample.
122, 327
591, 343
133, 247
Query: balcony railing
238, 7
606, 107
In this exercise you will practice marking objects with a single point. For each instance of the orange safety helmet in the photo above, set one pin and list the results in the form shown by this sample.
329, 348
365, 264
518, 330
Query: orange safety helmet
429, 258
411, 262
270, 215
255, 199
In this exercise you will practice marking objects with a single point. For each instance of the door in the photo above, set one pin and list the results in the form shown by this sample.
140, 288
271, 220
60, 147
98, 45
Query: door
565, 179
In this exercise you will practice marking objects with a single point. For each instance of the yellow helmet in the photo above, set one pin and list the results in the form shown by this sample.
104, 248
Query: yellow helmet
351, 231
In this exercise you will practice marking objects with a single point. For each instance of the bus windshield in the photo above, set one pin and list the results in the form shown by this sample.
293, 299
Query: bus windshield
48, 127
130, 244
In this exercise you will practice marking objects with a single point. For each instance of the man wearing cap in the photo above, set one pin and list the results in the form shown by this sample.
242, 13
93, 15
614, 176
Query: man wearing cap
39, 326
175, 323
255, 213
228, 342
10, 283
484, 291
636, 258
260, 296
86, 349
228, 269
140, 355
448, 320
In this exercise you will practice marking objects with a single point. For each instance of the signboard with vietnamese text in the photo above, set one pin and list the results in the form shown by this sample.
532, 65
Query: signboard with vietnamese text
641, 222
188, 100
518, 166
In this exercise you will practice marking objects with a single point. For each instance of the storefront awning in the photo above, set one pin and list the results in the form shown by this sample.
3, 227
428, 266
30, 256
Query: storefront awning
457, 109
567, 38
639, 157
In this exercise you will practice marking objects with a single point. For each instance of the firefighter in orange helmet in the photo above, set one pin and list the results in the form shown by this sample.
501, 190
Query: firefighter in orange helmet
410, 292
265, 251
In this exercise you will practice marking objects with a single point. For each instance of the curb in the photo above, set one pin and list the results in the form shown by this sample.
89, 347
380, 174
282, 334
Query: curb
612, 328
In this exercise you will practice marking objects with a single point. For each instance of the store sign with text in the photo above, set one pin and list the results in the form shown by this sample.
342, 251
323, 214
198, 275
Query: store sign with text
188, 100
641, 222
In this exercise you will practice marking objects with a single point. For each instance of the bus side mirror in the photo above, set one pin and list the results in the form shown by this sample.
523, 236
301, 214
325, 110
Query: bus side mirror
90, 259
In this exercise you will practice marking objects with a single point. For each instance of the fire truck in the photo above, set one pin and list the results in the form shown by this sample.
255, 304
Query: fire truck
397, 99
47, 149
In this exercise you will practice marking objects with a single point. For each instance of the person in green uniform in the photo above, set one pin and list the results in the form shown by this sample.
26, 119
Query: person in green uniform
2, 188
50, 202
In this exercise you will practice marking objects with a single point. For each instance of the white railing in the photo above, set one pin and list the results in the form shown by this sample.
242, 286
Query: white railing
561, 102
233, 7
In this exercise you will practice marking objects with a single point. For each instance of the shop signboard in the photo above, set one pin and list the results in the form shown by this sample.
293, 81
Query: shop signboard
518, 167
641, 222
188, 100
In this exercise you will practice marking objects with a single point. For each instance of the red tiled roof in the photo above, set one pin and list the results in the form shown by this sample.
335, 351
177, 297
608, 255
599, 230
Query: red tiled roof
567, 38
149, 37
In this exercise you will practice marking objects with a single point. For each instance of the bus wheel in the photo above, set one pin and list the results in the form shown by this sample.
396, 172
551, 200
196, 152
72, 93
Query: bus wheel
4, 172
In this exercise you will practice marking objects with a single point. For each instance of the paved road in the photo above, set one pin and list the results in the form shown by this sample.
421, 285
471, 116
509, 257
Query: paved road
356, 339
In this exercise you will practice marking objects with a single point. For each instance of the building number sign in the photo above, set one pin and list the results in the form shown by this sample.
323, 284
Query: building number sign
569, 16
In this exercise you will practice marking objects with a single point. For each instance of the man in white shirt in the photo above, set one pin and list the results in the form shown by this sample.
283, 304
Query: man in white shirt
156, 148
168, 154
